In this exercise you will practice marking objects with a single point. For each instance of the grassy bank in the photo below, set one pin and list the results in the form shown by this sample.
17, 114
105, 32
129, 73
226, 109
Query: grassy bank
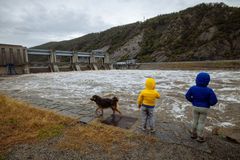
98, 137
20, 123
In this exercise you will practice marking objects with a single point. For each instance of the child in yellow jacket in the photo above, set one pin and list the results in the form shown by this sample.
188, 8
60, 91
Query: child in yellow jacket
146, 101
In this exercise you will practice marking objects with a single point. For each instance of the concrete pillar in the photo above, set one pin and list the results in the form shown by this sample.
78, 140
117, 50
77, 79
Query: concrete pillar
111, 66
106, 58
106, 62
75, 65
53, 60
74, 57
26, 65
93, 61
92, 58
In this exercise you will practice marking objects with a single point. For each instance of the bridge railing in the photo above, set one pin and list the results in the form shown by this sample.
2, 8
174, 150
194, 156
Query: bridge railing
64, 53
38, 52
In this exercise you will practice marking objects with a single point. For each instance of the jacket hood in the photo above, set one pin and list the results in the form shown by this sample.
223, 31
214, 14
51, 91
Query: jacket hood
202, 79
150, 83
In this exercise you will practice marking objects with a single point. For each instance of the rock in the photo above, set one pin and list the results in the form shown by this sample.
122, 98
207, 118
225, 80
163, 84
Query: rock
209, 34
129, 50
121, 121
236, 43
86, 120
232, 134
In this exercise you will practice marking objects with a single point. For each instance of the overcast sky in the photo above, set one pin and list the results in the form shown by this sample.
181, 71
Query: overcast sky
33, 22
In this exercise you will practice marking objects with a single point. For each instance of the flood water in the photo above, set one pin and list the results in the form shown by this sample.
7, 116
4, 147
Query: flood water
74, 89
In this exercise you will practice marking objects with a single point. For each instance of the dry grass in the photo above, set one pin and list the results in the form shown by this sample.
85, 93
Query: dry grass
102, 138
21, 123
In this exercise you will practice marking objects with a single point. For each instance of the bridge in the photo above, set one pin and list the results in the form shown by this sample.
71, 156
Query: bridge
55, 61
128, 64
19, 60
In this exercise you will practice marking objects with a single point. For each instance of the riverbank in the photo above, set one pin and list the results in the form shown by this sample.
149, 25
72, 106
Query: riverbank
26, 130
192, 65
30, 133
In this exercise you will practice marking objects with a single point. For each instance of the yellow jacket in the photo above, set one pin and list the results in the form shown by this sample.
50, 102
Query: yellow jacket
149, 94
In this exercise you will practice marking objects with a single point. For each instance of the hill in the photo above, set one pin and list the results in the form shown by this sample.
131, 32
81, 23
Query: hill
203, 32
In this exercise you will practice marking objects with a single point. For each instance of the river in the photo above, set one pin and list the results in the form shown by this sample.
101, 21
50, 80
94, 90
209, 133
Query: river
71, 91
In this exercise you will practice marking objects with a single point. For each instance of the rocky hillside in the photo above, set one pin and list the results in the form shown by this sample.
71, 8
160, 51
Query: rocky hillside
203, 32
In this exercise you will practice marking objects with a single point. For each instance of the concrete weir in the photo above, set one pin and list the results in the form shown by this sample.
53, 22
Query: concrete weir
16, 59
71, 60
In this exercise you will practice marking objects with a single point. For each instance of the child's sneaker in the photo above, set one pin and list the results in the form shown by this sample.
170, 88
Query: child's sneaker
193, 135
143, 128
152, 130
200, 139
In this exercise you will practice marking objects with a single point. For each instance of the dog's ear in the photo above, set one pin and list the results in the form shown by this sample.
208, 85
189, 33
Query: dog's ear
115, 98
96, 97
93, 98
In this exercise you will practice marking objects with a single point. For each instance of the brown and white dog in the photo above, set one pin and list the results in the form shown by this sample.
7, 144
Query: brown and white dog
104, 103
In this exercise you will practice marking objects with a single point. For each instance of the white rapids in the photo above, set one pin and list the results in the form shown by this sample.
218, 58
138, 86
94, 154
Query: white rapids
75, 88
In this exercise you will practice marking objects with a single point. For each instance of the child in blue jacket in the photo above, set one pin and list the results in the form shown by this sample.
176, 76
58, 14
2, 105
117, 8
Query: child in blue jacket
201, 97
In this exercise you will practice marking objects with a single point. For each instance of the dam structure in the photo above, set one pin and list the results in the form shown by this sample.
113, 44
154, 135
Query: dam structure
16, 59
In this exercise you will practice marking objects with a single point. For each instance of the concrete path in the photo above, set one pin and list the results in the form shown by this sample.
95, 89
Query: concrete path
177, 133
169, 132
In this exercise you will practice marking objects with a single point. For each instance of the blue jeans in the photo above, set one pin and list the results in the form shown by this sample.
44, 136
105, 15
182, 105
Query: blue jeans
147, 117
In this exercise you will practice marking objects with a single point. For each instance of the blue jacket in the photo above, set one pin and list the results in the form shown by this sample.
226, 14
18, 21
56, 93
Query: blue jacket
201, 95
